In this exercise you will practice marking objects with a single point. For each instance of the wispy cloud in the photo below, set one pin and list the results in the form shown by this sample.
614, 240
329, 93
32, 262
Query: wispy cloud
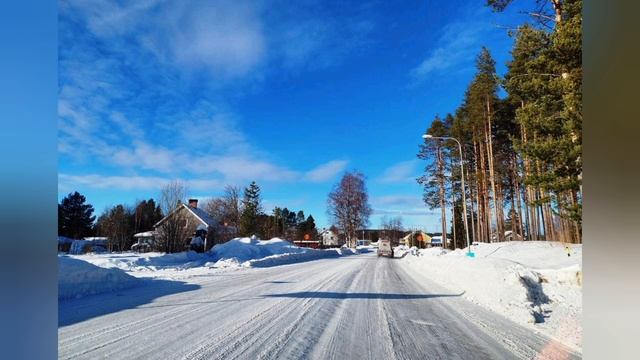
224, 37
144, 86
402, 172
402, 201
457, 46
66, 182
326, 171
409, 212
399, 205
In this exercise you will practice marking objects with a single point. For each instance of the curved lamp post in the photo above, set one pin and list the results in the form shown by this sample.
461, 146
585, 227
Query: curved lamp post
464, 196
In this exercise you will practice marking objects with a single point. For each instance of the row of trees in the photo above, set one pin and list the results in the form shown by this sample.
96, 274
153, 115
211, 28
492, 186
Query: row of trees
392, 227
522, 152
243, 215
246, 214
118, 223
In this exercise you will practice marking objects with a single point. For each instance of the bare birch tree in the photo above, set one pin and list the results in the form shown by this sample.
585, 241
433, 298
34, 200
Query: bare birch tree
172, 231
348, 205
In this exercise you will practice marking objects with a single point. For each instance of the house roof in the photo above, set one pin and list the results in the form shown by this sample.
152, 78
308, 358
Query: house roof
200, 214
425, 236
145, 234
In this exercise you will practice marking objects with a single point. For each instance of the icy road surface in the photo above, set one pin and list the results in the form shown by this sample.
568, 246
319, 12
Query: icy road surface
354, 307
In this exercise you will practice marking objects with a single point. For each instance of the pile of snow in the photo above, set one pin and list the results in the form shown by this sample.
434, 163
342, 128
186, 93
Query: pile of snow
146, 262
88, 245
532, 282
401, 250
78, 278
252, 252
62, 240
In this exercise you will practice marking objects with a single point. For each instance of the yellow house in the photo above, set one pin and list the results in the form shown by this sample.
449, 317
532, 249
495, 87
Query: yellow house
419, 239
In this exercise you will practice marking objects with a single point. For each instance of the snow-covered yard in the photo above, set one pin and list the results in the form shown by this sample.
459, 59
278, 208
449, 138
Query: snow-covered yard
87, 274
77, 278
535, 283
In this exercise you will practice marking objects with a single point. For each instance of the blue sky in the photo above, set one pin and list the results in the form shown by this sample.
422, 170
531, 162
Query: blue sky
289, 94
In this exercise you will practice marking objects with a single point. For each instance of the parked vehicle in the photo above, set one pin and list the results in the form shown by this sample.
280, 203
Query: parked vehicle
384, 248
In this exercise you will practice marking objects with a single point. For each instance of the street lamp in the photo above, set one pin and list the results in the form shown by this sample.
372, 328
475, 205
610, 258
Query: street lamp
464, 196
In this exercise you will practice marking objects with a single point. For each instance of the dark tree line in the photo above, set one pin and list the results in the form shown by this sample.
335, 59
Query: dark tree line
75, 217
119, 223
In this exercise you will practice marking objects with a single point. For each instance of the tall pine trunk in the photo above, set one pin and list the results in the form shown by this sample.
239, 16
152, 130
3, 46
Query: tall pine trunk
442, 197
492, 175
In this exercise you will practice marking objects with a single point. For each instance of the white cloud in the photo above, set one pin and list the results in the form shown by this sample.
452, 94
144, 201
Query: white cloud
224, 37
326, 171
402, 172
459, 43
407, 212
127, 84
67, 181
403, 201
399, 205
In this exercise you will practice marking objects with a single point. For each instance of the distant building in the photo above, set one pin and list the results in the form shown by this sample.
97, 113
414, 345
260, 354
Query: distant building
419, 239
89, 245
145, 241
330, 239
363, 242
511, 236
437, 240
508, 236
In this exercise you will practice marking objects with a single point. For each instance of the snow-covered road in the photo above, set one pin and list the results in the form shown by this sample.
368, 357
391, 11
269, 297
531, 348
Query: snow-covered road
353, 307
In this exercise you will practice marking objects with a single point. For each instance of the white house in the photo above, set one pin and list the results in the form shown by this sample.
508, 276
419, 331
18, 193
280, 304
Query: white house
329, 238
508, 236
437, 240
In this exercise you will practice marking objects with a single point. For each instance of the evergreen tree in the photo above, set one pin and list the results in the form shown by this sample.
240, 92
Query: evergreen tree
75, 219
310, 227
252, 209
145, 215
434, 180
545, 78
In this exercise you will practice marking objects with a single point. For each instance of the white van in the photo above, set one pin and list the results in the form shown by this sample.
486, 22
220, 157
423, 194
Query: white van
384, 248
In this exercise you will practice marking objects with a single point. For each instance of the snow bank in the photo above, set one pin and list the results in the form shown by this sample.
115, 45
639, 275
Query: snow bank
146, 262
532, 282
251, 252
78, 278
236, 253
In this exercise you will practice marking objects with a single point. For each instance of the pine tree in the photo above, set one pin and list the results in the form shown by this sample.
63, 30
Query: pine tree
145, 215
310, 227
75, 219
434, 180
252, 209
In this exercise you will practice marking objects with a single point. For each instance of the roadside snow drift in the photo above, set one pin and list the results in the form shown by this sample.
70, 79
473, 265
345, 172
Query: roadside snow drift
536, 283
236, 253
249, 252
78, 278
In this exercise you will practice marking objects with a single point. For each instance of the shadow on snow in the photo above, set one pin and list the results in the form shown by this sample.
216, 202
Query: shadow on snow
340, 295
77, 310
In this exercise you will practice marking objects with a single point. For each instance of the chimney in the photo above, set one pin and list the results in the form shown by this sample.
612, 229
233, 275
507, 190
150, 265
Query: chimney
193, 203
